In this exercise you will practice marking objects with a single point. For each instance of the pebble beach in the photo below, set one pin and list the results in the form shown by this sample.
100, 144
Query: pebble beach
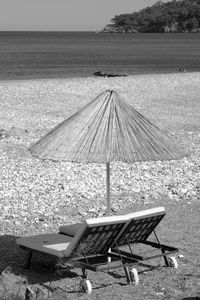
37, 196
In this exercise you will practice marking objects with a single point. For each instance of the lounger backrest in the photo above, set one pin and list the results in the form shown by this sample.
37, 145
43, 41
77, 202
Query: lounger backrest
140, 226
96, 236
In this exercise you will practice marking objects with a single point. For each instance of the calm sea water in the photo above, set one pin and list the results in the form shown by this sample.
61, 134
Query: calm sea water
25, 55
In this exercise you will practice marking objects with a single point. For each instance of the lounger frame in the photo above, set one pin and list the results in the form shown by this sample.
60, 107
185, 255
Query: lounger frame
118, 259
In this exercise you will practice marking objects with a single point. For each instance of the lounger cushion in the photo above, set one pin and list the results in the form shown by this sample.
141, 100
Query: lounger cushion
70, 229
146, 213
52, 243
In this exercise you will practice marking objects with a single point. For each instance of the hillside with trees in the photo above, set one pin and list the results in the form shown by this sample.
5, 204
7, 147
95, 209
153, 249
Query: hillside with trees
173, 16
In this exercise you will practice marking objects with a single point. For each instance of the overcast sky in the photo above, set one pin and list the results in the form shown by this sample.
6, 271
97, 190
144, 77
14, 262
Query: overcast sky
64, 15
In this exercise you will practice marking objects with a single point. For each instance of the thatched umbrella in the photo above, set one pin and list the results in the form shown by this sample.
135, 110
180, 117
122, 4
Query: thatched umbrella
105, 130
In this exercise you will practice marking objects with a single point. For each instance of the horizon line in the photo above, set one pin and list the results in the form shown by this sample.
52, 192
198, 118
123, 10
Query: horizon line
49, 30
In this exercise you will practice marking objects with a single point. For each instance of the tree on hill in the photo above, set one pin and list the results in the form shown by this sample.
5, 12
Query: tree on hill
172, 16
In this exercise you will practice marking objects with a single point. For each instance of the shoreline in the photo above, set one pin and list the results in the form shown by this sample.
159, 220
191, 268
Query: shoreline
161, 72
89, 77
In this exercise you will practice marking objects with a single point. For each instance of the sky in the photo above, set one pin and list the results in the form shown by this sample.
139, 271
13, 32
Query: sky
64, 15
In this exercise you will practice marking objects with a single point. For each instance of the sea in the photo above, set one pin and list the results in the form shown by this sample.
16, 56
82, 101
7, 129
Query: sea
35, 55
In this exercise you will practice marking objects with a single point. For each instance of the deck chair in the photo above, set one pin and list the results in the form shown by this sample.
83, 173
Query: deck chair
88, 248
139, 227
135, 237
92, 244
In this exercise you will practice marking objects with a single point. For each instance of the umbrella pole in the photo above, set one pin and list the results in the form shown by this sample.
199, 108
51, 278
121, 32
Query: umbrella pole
108, 188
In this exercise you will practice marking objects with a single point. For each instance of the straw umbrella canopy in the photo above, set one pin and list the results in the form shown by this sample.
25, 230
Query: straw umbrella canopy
106, 130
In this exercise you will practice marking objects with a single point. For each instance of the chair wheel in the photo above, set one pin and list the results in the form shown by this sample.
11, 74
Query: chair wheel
134, 275
172, 262
86, 286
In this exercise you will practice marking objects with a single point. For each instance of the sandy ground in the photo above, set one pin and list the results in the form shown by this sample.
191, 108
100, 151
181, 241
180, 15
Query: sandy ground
37, 196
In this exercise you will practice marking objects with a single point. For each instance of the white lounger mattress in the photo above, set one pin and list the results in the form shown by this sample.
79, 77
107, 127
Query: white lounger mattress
52, 243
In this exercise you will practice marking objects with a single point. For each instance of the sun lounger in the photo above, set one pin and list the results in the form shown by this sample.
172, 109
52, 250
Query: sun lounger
90, 244
141, 225
95, 234
138, 229
135, 237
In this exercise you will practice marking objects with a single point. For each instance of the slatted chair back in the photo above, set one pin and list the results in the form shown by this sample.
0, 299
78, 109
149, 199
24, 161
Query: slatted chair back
140, 226
96, 236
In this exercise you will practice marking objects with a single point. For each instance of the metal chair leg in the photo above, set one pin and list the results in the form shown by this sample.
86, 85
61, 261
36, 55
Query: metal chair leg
128, 276
84, 272
28, 260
